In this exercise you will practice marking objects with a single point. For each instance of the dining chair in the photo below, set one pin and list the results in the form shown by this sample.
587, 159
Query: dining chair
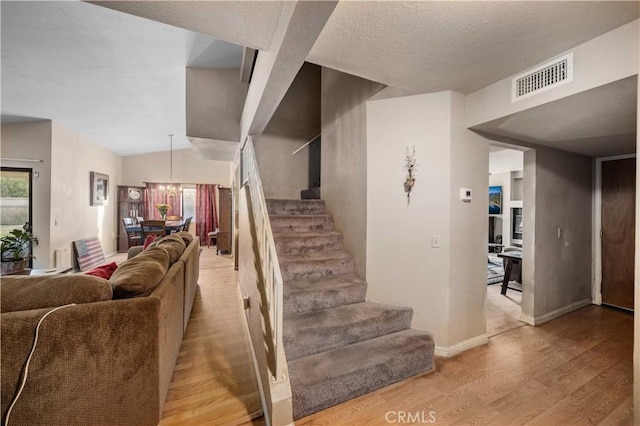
139, 219
133, 237
213, 238
152, 227
174, 217
187, 224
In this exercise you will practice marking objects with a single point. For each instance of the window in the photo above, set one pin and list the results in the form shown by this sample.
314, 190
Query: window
15, 199
189, 203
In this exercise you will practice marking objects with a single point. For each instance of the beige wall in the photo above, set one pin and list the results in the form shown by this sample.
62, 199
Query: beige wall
505, 160
618, 49
344, 157
72, 218
468, 285
61, 209
187, 168
32, 140
215, 98
402, 265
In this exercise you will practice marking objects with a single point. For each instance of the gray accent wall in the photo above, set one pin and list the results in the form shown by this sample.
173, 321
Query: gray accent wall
560, 186
344, 157
294, 123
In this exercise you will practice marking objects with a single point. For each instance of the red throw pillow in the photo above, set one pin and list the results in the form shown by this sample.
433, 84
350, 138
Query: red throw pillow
104, 271
149, 240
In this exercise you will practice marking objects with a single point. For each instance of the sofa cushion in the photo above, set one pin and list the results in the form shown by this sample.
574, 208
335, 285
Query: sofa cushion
172, 244
187, 237
139, 275
20, 293
104, 271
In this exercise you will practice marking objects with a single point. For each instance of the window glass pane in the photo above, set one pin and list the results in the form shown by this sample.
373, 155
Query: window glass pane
14, 200
189, 204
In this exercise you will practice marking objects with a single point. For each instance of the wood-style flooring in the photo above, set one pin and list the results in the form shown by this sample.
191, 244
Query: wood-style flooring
503, 311
575, 370
213, 382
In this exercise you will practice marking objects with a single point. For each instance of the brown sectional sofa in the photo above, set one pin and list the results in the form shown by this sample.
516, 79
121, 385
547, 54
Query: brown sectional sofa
103, 361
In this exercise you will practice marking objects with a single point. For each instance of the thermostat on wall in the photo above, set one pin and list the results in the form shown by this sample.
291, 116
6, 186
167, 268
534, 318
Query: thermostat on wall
465, 195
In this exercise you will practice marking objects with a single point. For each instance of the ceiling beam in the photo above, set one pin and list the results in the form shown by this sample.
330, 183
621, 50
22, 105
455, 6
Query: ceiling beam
300, 25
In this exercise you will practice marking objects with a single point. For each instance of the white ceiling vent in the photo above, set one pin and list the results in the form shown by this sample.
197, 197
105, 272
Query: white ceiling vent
544, 77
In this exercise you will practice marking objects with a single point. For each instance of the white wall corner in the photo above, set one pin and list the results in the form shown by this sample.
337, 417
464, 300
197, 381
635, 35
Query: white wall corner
465, 345
535, 321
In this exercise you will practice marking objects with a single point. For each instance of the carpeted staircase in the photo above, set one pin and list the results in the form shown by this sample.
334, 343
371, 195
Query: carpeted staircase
338, 346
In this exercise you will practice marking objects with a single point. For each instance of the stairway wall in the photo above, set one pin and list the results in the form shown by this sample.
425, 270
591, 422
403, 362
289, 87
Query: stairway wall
344, 157
294, 123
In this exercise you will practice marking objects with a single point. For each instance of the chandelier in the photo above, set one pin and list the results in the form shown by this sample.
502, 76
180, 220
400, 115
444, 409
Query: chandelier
170, 190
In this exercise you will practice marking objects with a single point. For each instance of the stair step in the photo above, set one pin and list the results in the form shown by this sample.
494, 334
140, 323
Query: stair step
316, 265
310, 194
307, 296
313, 332
287, 207
300, 223
308, 242
329, 378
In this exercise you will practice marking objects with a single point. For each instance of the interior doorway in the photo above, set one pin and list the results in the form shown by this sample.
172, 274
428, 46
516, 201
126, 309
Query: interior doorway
505, 236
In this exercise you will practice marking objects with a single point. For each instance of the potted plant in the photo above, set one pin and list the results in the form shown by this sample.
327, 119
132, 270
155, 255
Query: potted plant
15, 249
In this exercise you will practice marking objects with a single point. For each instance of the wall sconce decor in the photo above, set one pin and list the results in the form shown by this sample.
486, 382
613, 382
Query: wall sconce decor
410, 165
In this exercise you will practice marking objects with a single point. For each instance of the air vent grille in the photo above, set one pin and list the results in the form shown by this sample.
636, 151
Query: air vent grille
547, 76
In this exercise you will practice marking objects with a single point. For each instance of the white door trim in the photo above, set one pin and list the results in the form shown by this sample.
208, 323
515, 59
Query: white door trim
596, 284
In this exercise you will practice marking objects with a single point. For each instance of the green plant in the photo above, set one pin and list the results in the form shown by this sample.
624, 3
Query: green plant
15, 246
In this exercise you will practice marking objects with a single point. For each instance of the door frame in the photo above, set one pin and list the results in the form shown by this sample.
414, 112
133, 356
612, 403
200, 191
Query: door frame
596, 282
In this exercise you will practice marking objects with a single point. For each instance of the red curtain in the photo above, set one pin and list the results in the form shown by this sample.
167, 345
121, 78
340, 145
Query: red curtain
206, 211
154, 196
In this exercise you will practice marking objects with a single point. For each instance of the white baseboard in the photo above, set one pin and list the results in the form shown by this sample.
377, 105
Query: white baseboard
555, 314
465, 345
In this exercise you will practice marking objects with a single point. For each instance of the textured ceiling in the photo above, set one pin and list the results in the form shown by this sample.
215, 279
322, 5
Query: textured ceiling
597, 122
113, 77
463, 46
247, 23
120, 79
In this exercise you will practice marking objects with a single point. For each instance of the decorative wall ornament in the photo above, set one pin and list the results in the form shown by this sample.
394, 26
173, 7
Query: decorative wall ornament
410, 165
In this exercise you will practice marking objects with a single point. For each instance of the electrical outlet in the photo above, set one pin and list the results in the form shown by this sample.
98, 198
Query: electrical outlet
435, 241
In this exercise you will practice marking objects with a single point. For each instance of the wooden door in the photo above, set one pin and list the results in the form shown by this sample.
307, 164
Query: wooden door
618, 231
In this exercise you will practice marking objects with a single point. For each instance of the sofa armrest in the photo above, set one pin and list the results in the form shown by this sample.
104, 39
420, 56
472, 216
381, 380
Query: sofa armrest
94, 363
134, 251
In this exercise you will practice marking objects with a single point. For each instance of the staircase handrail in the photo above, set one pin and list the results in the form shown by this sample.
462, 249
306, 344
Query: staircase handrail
273, 283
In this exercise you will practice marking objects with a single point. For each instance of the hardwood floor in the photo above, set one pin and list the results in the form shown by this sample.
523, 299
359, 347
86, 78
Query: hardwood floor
503, 311
213, 382
575, 370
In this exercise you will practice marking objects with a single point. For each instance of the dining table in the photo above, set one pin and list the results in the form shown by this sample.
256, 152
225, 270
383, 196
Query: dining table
169, 226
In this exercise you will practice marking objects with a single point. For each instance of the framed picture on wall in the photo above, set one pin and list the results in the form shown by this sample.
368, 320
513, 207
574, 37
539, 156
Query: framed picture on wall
495, 200
99, 184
